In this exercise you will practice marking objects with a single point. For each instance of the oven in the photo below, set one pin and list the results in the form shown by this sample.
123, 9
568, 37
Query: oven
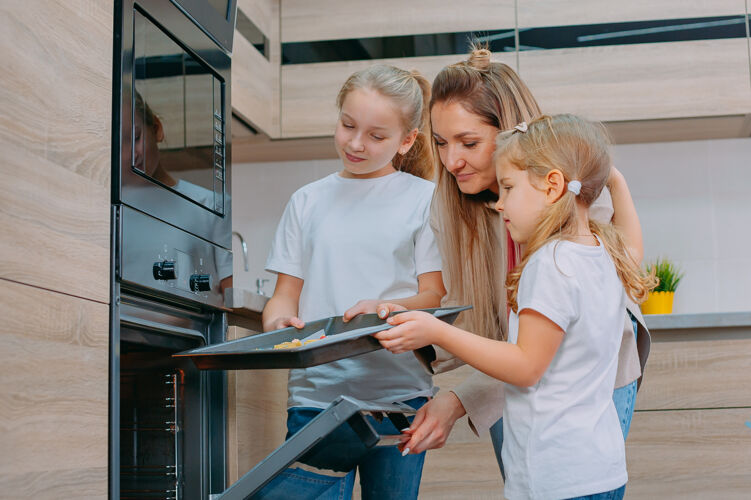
171, 246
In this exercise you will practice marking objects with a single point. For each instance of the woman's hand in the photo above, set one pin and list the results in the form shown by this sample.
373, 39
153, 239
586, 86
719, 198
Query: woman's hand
412, 330
287, 321
432, 424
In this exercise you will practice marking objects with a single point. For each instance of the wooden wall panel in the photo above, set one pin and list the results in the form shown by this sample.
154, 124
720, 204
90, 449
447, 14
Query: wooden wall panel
255, 79
536, 13
53, 399
257, 408
695, 371
264, 14
643, 81
56, 97
303, 20
309, 90
689, 454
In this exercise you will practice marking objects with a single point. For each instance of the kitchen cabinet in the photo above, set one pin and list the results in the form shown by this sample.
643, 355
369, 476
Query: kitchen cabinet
53, 416
255, 78
689, 436
55, 250
256, 413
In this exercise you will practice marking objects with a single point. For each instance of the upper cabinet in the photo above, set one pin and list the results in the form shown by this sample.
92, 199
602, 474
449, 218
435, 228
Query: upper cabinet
56, 141
625, 63
255, 65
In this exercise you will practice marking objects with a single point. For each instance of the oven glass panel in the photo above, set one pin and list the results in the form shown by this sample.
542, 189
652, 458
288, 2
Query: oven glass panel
178, 120
221, 6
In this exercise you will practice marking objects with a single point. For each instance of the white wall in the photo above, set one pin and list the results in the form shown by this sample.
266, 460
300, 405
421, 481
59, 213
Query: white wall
694, 205
260, 192
692, 198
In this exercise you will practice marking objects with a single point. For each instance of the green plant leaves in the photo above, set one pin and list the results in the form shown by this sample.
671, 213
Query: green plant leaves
667, 273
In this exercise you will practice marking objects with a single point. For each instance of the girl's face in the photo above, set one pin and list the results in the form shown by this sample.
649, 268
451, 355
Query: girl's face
520, 202
369, 133
465, 144
145, 144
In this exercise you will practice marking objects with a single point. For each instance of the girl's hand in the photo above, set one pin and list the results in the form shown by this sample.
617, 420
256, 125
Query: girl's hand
432, 424
371, 306
362, 307
412, 330
286, 321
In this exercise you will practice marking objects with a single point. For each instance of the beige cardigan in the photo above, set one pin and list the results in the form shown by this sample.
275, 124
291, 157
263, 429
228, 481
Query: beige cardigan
482, 395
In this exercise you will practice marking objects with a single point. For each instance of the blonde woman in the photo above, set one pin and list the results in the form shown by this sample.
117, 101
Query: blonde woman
471, 102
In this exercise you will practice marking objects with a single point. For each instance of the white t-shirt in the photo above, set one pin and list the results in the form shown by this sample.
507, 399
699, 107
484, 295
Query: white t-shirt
562, 438
354, 239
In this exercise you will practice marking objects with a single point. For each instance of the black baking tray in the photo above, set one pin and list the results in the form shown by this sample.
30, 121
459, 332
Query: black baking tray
343, 340
342, 411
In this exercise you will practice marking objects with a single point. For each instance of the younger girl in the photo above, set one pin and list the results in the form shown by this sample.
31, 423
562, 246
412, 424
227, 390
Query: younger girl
362, 233
562, 438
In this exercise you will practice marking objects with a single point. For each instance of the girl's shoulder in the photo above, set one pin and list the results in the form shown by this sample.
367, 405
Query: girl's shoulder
315, 188
417, 182
560, 255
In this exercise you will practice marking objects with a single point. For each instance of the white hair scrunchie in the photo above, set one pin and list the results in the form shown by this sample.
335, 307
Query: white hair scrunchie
522, 127
575, 187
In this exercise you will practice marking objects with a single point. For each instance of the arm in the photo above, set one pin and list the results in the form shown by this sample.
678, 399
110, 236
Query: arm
282, 308
430, 291
625, 217
521, 364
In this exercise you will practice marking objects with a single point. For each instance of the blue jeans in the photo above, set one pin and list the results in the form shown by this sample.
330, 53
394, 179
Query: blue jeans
624, 399
616, 494
384, 473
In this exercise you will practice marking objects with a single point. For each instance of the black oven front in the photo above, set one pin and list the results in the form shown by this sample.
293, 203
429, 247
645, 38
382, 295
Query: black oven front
171, 246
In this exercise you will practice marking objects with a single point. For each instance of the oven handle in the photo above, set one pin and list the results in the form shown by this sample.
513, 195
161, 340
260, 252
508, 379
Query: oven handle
160, 327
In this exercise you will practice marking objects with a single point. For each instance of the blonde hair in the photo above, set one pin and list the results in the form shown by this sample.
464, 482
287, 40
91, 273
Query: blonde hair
579, 149
474, 263
410, 91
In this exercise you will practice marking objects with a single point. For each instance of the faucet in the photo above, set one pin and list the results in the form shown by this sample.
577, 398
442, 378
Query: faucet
259, 286
245, 248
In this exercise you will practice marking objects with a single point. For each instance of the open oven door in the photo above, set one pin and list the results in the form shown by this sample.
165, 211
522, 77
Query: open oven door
300, 447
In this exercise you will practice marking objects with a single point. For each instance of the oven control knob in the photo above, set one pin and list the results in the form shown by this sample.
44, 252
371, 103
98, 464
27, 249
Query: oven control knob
200, 282
164, 270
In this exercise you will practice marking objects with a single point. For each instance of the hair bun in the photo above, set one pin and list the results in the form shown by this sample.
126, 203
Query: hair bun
480, 59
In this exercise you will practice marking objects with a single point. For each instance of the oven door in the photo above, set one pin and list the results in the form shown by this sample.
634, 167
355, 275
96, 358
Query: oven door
167, 434
172, 105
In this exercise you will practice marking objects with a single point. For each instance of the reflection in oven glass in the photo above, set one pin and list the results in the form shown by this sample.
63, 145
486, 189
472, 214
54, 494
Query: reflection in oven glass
178, 137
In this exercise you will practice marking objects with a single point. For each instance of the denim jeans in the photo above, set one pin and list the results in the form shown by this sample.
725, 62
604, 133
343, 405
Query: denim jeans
384, 473
624, 399
616, 494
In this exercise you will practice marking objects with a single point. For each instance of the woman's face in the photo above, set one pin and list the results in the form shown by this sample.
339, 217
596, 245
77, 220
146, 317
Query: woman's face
465, 144
369, 133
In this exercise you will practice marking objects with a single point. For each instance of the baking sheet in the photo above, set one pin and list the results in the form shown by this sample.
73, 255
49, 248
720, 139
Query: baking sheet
343, 340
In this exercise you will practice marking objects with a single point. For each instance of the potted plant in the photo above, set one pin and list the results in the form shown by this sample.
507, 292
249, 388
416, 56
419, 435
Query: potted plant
660, 300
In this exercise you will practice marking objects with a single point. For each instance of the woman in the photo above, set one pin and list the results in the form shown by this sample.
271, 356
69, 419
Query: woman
471, 102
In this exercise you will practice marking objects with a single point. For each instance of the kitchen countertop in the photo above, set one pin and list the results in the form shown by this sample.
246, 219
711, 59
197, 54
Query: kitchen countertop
243, 300
718, 320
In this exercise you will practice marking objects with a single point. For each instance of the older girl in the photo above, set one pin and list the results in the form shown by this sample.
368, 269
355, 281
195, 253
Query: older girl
362, 233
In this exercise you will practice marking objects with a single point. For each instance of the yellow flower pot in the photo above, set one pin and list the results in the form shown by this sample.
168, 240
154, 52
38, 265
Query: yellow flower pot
658, 303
